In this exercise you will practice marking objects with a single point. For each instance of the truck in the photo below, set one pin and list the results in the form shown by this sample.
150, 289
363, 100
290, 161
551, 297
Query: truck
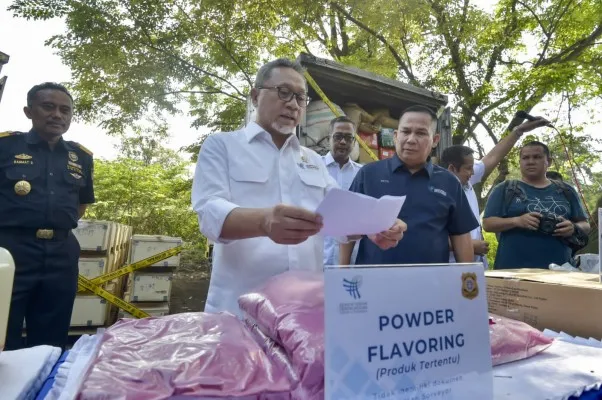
340, 85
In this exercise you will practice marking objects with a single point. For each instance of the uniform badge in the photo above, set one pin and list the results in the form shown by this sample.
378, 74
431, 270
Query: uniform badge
23, 157
73, 156
470, 288
22, 188
75, 165
76, 176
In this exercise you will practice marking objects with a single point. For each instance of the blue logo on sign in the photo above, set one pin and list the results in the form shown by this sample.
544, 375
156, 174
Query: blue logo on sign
352, 286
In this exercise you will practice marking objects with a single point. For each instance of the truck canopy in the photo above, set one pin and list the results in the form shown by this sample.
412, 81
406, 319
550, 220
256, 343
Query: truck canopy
344, 84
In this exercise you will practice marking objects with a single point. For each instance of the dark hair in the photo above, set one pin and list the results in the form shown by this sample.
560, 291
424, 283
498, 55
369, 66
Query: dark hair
46, 86
454, 155
557, 176
342, 118
424, 110
535, 143
265, 71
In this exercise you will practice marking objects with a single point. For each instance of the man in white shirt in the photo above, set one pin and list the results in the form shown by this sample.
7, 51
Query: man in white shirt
342, 169
459, 160
255, 190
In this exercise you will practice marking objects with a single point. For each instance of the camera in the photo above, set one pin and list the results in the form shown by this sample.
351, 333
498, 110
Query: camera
547, 223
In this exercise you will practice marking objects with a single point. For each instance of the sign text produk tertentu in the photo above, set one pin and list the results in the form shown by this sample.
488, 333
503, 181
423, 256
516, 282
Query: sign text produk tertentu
407, 332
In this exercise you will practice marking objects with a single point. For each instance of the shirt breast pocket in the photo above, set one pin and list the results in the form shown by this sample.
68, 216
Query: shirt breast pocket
73, 180
438, 205
313, 189
22, 173
248, 187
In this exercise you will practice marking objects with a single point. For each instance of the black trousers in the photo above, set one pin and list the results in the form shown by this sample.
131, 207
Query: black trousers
44, 288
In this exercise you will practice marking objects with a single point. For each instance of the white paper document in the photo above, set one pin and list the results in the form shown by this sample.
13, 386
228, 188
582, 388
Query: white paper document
347, 213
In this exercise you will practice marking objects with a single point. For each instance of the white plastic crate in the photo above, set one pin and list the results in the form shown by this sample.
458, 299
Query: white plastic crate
154, 287
153, 309
94, 235
92, 267
145, 246
89, 310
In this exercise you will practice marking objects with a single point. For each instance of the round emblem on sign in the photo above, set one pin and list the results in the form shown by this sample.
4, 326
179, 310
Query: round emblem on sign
22, 188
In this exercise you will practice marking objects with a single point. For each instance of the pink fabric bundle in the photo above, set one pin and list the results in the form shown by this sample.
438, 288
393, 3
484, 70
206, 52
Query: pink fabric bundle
289, 309
514, 340
191, 355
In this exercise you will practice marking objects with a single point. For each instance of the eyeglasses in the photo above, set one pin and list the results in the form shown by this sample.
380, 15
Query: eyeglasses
337, 137
285, 94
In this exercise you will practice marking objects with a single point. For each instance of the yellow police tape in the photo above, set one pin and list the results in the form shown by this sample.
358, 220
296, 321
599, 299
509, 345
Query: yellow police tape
111, 298
93, 285
330, 105
147, 262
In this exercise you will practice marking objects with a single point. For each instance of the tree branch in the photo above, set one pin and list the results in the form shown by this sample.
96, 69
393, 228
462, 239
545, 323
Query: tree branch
543, 28
235, 61
402, 38
189, 92
464, 16
402, 64
182, 60
334, 45
188, 64
576, 49
344, 35
481, 121
454, 50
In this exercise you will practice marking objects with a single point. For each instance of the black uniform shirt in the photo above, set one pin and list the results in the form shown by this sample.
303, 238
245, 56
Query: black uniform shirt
52, 183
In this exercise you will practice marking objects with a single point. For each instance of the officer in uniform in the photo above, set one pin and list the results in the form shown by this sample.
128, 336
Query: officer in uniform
45, 186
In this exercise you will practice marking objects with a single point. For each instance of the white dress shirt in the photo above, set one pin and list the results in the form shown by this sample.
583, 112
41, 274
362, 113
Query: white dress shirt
245, 169
471, 196
344, 177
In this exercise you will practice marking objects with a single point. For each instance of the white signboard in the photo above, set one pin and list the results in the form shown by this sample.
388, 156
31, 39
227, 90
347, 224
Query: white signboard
407, 332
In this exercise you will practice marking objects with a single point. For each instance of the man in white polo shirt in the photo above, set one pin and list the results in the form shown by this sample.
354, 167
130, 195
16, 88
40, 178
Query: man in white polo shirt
255, 191
342, 169
459, 160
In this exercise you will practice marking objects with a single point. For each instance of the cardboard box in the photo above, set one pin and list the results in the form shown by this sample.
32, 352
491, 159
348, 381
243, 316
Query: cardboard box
387, 138
365, 157
371, 139
154, 287
385, 153
557, 300
144, 246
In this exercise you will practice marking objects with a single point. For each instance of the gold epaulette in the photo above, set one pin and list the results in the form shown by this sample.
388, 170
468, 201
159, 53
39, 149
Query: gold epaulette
82, 148
8, 133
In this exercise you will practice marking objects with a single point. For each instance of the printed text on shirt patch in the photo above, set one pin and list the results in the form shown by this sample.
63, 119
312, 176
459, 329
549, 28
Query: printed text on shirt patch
438, 191
307, 166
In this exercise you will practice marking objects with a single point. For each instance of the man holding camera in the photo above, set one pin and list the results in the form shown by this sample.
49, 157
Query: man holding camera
539, 221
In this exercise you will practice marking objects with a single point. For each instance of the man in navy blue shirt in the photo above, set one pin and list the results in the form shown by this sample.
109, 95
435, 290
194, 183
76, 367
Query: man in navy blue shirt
435, 209
45, 187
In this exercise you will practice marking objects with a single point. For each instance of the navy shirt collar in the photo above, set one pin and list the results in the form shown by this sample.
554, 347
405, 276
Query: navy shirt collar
395, 163
32, 137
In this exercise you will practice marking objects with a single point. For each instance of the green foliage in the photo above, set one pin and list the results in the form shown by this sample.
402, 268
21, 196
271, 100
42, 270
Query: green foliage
131, 58
492, 240
152, 198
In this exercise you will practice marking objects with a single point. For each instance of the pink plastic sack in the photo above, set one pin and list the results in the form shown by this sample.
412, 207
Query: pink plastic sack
275, 352
513, 340
191, 355
289, 308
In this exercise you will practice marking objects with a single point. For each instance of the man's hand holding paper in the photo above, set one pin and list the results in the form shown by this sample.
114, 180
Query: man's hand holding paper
350, 214
389, 238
